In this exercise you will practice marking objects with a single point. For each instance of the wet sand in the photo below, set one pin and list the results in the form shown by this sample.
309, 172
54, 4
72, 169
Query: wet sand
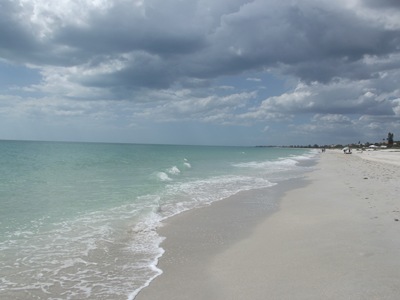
333, 235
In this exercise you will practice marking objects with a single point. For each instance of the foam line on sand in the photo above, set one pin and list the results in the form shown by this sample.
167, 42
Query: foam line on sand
338, 237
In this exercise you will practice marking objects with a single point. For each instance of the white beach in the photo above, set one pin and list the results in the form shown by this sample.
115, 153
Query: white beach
336, 235
390, 156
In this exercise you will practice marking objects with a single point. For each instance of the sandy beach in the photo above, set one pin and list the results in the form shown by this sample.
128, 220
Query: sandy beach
333, 235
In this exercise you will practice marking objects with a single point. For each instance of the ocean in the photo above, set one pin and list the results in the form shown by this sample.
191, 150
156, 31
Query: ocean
79, 220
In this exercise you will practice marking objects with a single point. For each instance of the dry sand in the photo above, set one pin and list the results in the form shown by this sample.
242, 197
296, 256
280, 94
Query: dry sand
335, 236
390, 156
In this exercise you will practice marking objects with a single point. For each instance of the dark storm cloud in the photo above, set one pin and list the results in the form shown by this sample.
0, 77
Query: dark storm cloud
21, 42
382, 3
154, 46
315, 43
336, 43
145, 71
15, 40
123, 29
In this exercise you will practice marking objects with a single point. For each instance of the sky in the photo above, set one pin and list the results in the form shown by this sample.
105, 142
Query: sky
200, 72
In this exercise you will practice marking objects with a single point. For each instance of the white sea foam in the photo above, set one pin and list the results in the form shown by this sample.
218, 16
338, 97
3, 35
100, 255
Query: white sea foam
284, 163
188, 195
156, 272
270, 165
162, 176
186, 163
73, 254
174, 170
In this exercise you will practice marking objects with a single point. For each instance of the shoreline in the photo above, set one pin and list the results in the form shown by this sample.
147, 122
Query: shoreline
332, 235
193, 237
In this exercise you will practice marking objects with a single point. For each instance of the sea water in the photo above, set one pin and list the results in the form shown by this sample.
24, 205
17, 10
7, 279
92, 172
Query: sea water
79, 220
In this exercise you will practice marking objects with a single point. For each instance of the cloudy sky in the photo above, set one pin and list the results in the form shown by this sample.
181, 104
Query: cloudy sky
215, 72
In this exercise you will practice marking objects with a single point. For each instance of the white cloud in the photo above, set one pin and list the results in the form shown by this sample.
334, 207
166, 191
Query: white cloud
331, 118
254, 79
182, 105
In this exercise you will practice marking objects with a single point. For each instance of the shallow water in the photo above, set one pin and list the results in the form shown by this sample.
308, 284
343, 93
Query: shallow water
78, 220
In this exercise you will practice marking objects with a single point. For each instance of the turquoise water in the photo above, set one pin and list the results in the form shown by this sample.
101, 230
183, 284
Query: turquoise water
78, 220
